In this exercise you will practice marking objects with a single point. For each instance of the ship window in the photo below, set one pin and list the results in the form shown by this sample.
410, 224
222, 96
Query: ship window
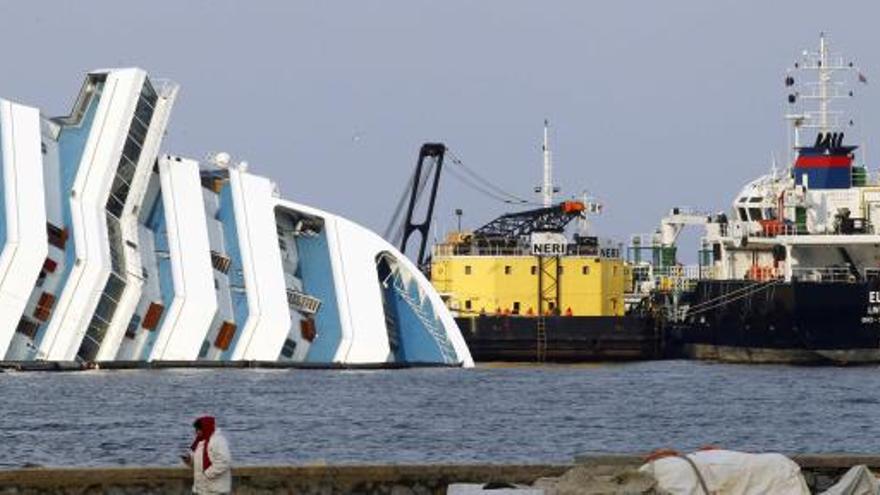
755, 214
507, 269
133, 324
224, 336
755, 200
467, 269
467, 304
742, 199
288, 349
28, 328
742, 214
585, 270
516, 307
534, 269
57, 235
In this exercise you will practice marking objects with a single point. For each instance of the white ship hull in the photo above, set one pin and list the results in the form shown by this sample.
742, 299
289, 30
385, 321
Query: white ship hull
111, 252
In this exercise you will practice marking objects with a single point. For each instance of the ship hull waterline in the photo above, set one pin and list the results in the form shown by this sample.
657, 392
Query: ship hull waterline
788, 323
566, 339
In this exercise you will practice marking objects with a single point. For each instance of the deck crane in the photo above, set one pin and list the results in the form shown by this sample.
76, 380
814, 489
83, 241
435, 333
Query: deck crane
510, 228
507, 229
678, 218
430, 158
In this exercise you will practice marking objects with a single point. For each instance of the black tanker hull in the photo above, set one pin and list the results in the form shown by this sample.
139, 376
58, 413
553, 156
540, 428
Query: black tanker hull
568, 339
774, 322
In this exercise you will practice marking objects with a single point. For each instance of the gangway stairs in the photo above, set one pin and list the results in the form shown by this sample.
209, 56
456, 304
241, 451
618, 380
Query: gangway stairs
429, 321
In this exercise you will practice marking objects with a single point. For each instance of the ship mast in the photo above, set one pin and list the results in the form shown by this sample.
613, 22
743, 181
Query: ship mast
547, 187
811, 101
824, 79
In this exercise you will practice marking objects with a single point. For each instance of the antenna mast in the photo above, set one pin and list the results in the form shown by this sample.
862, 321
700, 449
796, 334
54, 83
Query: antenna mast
547, 188
811, 101
824, 80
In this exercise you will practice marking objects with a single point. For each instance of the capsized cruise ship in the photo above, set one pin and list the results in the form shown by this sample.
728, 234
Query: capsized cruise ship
112, 251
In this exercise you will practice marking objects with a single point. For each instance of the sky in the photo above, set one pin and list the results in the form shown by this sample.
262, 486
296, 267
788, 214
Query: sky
652, 104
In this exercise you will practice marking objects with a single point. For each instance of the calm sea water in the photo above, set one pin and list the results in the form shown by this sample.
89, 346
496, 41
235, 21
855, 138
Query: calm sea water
529, 414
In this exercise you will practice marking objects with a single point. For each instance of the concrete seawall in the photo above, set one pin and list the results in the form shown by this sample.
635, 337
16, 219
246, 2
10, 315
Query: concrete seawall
819, 470
323, 480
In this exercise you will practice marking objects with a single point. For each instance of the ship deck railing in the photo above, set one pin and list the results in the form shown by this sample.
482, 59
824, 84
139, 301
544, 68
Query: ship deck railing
832, 274
781, 230
677, 278
684, 277
474, 250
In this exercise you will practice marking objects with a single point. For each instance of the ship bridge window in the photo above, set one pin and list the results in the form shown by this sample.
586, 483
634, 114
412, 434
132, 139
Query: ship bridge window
755, 214
742, 199
742, 214
755, 200
770, 213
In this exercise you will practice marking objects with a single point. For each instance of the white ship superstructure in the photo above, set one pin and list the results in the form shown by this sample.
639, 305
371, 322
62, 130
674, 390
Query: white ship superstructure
111, 252
816, 219
792, 272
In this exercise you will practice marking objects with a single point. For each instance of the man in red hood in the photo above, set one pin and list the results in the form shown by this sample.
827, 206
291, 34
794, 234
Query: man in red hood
210, 459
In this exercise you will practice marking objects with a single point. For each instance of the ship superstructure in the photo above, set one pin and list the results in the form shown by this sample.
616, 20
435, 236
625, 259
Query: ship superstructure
112, 251
523, 263
791, 273
522, 289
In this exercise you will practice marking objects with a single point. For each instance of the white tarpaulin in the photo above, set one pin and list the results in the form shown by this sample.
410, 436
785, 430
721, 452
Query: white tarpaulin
859, 480
725, 472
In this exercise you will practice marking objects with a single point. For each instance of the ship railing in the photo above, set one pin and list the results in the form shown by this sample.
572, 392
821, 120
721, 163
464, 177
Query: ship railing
707, 272
773, 229
679, 278
471, 250
823, 274
423, 309
679, 271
